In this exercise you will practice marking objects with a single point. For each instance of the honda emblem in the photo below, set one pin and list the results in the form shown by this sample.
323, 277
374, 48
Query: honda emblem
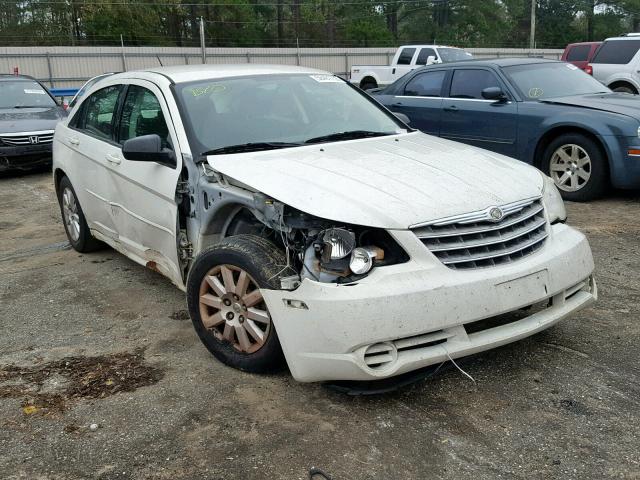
34, 140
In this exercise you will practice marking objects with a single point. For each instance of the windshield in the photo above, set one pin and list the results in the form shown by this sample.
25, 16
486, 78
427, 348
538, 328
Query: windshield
454, 55
540, 81
285, 109
23, 94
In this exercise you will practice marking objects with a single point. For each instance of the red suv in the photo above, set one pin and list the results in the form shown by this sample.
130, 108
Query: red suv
580, 54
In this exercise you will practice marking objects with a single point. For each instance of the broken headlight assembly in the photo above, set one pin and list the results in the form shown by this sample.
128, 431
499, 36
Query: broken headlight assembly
345, 254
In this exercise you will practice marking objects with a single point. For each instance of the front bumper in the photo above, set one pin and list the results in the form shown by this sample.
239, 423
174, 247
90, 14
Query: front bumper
419, 313
23, 158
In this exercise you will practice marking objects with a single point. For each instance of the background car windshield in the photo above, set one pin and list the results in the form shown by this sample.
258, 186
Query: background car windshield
548, 80
24, 94
454, 54
277, 108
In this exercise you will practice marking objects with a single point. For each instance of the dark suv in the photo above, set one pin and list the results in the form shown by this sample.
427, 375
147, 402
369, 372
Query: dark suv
28, 117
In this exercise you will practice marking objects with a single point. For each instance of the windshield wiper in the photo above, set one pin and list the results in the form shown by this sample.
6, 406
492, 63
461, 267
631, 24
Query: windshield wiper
350, 135
28, 106
250, 147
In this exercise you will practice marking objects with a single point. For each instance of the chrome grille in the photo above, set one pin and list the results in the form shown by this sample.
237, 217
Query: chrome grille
23, 139
474, 241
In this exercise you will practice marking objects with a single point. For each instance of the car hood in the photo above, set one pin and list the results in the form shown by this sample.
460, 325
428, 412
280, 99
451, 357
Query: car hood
14, 120
622, 103
387, 182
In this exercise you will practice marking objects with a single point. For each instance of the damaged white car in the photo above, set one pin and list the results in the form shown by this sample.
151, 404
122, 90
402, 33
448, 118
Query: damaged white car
307, 222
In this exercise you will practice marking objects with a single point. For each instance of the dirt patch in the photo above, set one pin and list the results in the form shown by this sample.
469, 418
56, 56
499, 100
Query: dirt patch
180, 315
84, 377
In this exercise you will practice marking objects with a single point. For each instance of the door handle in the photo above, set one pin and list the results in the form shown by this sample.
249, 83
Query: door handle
73, 141
112, 159
397, 103
452, 108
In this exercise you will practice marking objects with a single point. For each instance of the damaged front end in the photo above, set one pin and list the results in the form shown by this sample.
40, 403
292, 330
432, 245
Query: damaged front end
318, 249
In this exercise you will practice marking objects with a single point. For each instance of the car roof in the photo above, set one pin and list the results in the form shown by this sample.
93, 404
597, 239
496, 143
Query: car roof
189, 73
582, 43
496, 62
633, 36
7, 77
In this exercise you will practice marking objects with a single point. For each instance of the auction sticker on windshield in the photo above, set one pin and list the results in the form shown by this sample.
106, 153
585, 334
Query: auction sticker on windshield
326, 78
39, 92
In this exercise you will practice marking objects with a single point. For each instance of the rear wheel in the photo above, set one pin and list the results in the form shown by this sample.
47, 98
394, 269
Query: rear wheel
368, 84
577, 166
226, 303
75, 224
624, 88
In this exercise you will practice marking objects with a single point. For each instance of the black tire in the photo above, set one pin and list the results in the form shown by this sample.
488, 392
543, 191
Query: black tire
85, 242
265, 264
368, 85
598, 181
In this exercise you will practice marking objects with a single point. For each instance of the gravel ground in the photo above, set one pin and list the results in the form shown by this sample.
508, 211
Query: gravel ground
103, 377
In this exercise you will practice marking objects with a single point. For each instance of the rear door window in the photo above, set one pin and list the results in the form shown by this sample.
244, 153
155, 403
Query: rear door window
428, 84
579, 53
98, 112
405, 56
618, 52
470, 83
424, 55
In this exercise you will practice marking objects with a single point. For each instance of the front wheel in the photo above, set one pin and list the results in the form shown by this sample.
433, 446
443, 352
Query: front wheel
578, 167
226, 304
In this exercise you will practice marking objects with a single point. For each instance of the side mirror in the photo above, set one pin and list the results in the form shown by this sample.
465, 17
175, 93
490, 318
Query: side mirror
431, 59
148, 148
402, 117
494, 93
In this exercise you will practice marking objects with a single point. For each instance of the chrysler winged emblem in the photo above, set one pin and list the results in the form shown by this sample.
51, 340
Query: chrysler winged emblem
496, 214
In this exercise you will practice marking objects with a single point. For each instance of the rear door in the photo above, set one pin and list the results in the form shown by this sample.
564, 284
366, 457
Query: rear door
404, 63
467, 117
89, 139
421, 100
143, 198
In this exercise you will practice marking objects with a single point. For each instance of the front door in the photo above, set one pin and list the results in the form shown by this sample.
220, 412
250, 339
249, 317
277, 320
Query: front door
467, 117
143, 199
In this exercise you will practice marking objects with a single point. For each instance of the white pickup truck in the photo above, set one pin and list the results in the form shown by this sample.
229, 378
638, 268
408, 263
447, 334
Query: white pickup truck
407, 58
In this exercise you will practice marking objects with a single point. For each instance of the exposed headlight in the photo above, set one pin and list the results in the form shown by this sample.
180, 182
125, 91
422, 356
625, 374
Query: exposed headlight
338, 243
553, 202
362, 259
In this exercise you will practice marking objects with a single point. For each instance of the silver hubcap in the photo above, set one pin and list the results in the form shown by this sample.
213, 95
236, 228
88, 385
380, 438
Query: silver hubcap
70, 213
232, 308
570, 167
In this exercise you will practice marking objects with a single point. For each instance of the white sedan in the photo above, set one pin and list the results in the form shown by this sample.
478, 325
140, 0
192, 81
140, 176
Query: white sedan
306, 222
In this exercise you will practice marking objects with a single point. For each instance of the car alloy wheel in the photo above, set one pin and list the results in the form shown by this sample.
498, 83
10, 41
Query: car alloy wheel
232, 308
70, 213
570, 167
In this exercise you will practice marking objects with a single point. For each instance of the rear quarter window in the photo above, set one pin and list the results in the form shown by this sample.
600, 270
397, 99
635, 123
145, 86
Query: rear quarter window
405, 56
617, 52
579, 53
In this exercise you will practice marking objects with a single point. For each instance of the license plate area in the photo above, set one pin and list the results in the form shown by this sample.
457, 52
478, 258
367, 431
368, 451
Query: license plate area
523, 291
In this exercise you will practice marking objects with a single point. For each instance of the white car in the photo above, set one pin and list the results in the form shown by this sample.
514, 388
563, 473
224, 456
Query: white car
407, 58
616, 63
302, 218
